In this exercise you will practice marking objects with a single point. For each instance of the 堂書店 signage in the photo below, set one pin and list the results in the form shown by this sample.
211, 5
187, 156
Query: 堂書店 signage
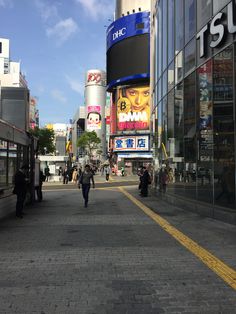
217, 29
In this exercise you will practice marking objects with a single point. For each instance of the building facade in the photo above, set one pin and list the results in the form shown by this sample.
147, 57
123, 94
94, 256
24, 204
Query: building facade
10, 73
95, 103
127, 7
194, 100
17, 146
128, 79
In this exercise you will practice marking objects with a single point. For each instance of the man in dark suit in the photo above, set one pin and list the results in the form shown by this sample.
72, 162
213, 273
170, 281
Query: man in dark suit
20, 189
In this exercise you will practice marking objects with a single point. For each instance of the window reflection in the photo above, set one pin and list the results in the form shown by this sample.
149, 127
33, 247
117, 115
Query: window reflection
164, 122
164, 83
190, 136
190, 19
159, 39
179, 67
224, 129
170, 30
12, 162
176, 143
179, 25
189, 59
203, 12
3, 163
164, 17
171, 76
219, 4
205, 133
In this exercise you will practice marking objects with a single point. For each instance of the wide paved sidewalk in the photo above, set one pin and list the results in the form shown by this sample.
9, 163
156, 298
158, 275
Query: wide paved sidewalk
116, 256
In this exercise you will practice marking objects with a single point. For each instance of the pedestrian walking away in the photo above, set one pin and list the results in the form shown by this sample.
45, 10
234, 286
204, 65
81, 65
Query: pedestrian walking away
65, 175
39, 187
20, 189
107, 171
145, 181
84, 180
47, 173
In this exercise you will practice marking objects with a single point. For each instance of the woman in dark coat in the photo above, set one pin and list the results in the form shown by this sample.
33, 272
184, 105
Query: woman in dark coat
145, 181
20, 189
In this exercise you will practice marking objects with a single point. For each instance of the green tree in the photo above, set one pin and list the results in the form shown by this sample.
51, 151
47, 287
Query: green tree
46, 138
89, 141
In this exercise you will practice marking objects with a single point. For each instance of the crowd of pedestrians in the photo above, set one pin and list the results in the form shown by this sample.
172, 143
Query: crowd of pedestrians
83, 179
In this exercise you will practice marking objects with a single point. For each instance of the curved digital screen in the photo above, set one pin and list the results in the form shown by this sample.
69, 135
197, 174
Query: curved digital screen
128, 60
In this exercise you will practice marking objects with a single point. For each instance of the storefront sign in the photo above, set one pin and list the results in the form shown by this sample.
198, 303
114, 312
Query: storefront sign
131, 143
217, 29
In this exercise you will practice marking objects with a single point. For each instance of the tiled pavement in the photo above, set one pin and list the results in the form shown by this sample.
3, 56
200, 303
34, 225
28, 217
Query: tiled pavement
110, 258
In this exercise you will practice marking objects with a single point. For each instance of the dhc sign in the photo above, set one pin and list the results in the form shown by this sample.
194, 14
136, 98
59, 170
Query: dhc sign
217, 29
119, 33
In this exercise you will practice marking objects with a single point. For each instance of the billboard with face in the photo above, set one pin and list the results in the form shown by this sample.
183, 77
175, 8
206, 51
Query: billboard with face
94, 118
133, 108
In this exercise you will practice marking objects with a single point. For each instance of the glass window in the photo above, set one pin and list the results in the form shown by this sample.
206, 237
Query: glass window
171, 76
179, 67
170, 124
160, 126
164, 123
203, 12
164, 33
219, 4
190, 136
3, 164
190, 20
159, 86
171, 39
12, 163
164, 82
159, 39
178, 160
224, 129
179, 121
189, 60
205, 133
179, 25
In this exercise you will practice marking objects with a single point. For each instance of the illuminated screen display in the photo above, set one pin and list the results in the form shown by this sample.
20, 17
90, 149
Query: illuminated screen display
133, 108
128, 58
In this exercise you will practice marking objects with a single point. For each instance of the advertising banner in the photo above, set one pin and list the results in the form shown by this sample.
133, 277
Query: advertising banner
133, 108
94, 118
32, 112
205, 112
131, 143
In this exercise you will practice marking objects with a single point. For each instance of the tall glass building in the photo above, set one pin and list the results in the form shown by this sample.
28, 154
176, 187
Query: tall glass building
194, 98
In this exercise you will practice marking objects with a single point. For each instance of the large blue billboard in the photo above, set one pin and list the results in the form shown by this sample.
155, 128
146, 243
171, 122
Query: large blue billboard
128, 26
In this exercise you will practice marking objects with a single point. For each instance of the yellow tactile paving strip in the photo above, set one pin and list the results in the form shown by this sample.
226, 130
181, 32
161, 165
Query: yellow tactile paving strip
221, 269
